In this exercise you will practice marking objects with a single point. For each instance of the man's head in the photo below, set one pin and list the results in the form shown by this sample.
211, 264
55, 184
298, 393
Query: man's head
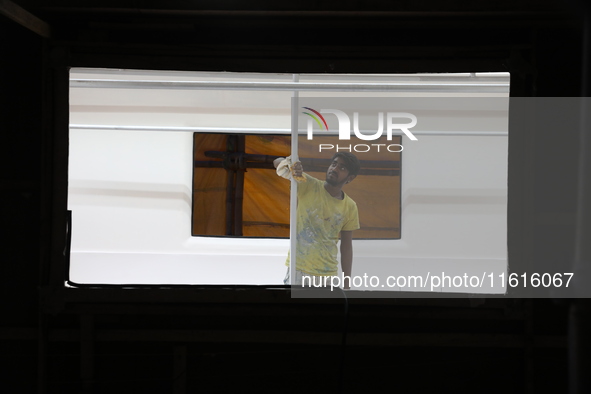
343, 169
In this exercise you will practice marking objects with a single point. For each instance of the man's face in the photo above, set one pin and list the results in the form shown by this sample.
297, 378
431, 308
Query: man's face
337, 173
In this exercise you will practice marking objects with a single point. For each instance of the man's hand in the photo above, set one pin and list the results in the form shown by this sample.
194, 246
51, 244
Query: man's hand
297, 170
286, 169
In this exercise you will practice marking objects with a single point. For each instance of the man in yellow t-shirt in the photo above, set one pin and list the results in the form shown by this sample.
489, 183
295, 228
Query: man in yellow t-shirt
323, 212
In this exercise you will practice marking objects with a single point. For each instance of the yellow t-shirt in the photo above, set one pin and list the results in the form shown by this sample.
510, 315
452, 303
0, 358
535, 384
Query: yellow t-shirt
320, 219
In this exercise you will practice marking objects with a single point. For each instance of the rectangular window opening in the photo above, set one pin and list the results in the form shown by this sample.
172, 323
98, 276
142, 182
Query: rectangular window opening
236, 191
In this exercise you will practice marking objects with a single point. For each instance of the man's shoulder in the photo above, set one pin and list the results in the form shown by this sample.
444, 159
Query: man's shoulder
310, 187
349, 200
351, 204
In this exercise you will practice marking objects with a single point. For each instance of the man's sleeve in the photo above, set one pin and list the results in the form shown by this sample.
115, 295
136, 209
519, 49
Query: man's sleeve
353, 219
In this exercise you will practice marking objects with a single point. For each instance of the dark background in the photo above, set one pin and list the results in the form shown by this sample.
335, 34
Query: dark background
81, 340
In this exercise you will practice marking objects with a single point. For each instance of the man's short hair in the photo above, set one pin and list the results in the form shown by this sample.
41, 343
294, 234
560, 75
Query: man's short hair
351, 162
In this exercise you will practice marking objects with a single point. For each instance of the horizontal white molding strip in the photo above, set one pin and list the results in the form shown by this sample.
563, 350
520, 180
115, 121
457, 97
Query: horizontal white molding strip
439, 87
259, 130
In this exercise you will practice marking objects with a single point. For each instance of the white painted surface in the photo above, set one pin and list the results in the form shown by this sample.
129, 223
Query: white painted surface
130, 194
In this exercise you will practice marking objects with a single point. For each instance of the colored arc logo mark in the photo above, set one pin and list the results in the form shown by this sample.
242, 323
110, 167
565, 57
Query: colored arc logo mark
315, 118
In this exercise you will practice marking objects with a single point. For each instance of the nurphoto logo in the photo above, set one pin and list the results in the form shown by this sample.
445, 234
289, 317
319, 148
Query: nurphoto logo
345, 129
